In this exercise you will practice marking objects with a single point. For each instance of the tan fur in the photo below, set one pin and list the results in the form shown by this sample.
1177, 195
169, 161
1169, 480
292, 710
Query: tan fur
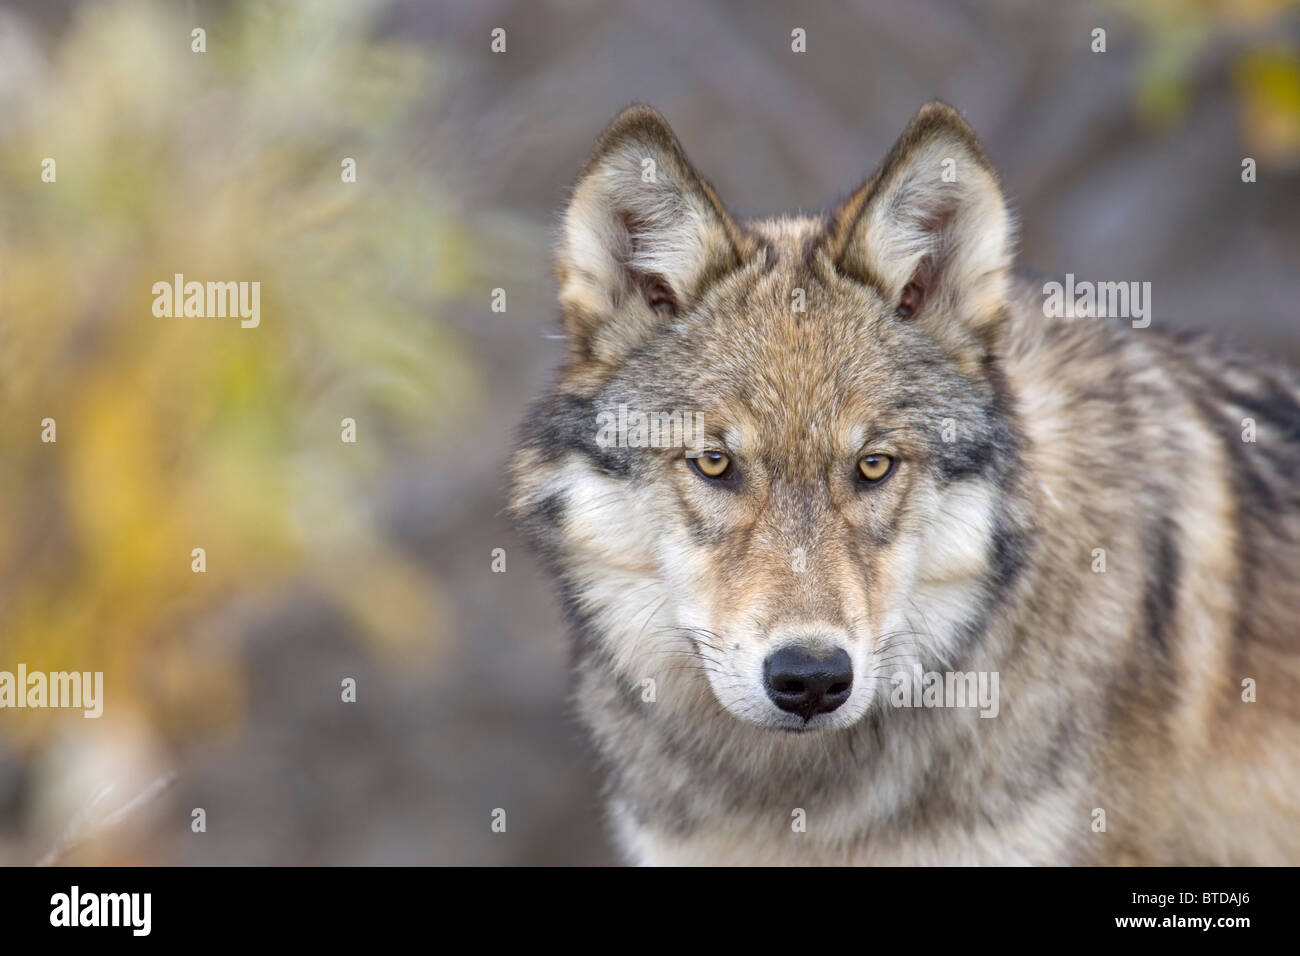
1119, 691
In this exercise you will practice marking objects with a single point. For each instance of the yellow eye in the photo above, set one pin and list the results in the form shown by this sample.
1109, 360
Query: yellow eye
712, 464
875, 468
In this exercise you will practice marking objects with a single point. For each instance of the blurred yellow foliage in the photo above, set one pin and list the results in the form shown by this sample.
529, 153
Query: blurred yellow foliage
1268, 84
1265, 66
183, 433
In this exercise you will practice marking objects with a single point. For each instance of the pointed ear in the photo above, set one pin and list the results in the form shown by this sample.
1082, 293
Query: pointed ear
642, 238
931, 230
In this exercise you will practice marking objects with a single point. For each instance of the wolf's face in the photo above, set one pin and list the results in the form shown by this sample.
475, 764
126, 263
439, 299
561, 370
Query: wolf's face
777, 457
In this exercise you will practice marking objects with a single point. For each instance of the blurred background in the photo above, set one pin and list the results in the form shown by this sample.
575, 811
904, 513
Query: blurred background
372, 560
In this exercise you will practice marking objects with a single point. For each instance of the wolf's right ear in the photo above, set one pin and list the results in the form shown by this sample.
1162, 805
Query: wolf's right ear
643, 236
931, 230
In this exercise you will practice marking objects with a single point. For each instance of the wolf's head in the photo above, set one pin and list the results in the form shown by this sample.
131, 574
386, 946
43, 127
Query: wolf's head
777, 456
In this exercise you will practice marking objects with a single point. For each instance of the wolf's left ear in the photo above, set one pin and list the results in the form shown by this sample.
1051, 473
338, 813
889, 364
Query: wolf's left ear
930, 230
642, 238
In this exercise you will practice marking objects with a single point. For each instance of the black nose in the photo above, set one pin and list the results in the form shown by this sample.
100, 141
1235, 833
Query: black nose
807, 685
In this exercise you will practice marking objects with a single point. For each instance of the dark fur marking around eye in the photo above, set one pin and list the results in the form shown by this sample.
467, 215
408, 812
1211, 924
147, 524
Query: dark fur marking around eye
561, 425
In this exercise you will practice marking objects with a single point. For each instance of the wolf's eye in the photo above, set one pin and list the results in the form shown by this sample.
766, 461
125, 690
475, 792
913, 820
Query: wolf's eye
874, 469
713, 464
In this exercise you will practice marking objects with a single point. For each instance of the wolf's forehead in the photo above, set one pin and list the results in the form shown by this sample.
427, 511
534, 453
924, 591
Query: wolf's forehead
793, 394
813, 438
788, 238
799, 336
791, 363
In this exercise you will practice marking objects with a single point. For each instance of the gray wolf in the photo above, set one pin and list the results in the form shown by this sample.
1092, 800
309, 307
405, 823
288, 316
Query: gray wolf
907, 471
